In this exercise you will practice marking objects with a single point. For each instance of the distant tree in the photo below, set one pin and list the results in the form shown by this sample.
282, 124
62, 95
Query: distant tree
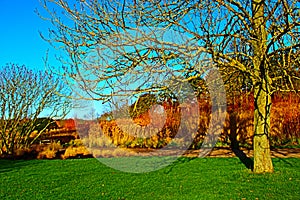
25, 94
142, 105
256, 41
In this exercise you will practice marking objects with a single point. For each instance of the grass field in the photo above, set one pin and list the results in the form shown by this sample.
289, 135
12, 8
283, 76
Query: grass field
201, 178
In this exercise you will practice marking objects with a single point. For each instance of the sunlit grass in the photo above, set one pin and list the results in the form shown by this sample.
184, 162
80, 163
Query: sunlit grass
201, 178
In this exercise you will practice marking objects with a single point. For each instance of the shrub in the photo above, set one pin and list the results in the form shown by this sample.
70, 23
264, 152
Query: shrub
76, 143
73, 151
49, 154
50, 151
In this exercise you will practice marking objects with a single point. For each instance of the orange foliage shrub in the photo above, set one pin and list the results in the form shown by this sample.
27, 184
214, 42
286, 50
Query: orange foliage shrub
285, 120
49, 151
238, 126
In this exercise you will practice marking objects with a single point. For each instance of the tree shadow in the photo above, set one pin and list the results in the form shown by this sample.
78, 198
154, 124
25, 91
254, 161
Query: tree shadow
235, 125
284, 160
248, 162
180, 160
7, 165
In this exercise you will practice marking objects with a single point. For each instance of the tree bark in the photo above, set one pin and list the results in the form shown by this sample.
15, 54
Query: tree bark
262, 95
262, 156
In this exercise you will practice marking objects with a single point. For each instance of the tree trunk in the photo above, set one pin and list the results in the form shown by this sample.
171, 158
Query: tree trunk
262, 98
262, 157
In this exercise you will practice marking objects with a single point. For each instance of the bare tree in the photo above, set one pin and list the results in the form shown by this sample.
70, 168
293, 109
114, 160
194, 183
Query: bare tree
26, 95
257, 40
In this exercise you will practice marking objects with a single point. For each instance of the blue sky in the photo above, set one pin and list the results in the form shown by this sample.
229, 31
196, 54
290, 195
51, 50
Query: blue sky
20, 42
19, 34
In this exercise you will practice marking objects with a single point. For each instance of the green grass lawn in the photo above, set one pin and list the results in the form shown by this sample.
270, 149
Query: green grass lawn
201, 178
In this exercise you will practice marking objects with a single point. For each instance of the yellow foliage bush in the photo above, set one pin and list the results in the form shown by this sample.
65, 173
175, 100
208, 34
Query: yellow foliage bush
72, 151
49, 151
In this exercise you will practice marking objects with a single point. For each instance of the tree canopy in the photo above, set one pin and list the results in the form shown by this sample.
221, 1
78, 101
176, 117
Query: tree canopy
26, 96
112, 45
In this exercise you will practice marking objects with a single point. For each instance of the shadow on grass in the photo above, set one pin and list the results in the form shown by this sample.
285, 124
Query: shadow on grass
283, 157
284, 160
248, 162
7, 165
180, 160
